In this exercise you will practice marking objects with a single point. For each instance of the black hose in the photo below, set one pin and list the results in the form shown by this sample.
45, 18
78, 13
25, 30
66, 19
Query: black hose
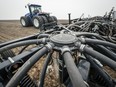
23, 49
87, 34
104, 59
110, 38
26, 67
43, 35
20, 39
100, 42
71, 25
49, 31
100, 70
22, 43
73, 71
42, 75
80, 22
107, 52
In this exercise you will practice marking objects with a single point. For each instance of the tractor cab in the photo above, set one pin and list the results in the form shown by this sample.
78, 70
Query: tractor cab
34, 9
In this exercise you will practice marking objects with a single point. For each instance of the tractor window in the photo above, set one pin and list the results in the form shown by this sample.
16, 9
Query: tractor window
35, 9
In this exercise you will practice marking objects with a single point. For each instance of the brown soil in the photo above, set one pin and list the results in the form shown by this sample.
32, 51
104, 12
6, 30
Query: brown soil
10, 30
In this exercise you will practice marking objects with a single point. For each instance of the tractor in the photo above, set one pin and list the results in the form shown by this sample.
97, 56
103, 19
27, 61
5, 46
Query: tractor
36, 17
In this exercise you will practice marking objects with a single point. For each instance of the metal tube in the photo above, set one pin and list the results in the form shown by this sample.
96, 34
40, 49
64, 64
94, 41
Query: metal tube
69, 18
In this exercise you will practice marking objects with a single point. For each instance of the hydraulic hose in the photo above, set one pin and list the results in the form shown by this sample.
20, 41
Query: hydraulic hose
42, 75
73, 71
104, 59
22, 43
100, 42
26, 67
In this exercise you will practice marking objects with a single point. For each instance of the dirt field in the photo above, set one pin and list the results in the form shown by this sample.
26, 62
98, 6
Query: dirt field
10, 30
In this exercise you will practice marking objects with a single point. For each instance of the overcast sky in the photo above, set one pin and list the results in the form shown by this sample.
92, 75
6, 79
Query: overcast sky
14, 9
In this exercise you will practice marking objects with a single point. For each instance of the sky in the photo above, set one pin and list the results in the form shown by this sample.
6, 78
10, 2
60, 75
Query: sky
14, 9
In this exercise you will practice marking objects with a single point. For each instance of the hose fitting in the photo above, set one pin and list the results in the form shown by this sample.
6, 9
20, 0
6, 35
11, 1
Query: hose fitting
49, 46
65, 49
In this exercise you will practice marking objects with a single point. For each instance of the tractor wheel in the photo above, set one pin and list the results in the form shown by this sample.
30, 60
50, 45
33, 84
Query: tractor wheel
50, 19
54, 18
37, 21
45, 19
24, 21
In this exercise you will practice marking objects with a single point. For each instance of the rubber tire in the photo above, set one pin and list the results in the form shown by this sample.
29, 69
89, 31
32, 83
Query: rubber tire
54, 18
26, 20
50, 19
45, 19
40, 21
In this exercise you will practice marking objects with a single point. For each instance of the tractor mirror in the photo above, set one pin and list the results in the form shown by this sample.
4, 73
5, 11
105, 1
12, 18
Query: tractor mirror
25, 6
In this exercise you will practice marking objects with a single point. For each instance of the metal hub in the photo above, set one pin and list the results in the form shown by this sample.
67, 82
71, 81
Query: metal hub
63, 39
36, 23
23, 22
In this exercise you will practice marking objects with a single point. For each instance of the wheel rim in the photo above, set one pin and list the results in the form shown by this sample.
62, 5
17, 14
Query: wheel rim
23, 22
36, 23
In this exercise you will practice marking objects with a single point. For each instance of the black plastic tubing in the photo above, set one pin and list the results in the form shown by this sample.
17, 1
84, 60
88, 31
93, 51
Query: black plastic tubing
100, 42
22, 43
73, 71
100, 57
26, 67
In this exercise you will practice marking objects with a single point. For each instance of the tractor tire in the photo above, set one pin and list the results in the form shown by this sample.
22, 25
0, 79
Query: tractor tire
37, 22
50, 19
45, 19
25, 21
54, 18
